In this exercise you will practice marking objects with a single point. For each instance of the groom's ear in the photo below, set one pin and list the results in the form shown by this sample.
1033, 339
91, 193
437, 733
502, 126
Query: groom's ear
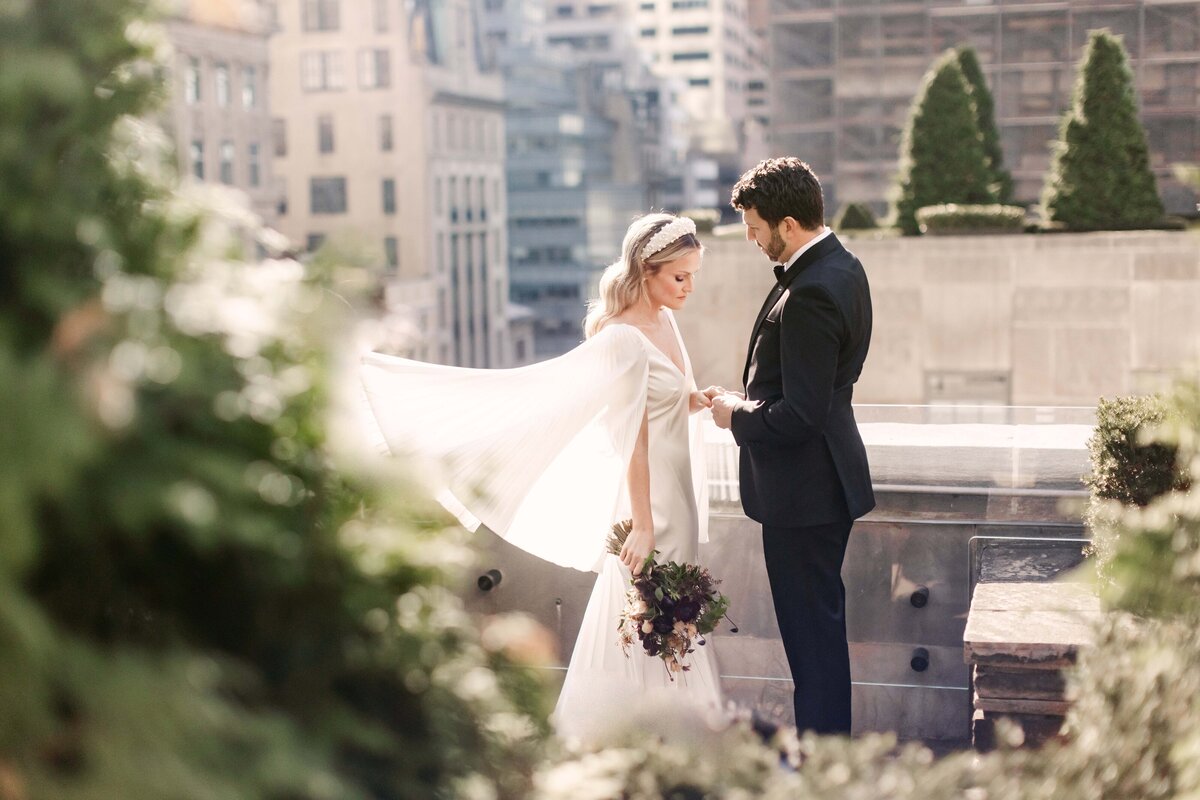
789, 226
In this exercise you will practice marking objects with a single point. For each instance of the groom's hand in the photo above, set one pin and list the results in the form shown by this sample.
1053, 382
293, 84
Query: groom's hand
722, 409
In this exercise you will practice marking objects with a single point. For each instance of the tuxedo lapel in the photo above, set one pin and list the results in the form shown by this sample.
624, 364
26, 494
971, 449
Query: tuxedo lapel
818, 251
768, 304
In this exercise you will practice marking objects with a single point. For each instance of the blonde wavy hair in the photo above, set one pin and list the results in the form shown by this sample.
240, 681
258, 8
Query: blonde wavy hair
623, 283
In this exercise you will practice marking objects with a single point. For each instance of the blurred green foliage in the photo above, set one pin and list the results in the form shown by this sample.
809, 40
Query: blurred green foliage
942, 155
205, 592
854, 217
1100, 176
985, 113
952, 219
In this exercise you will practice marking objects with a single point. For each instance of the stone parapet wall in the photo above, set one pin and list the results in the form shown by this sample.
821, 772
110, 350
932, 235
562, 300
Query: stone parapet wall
1019, 319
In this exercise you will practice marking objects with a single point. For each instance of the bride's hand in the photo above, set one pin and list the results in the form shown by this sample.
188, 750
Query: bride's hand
714, 391
699, 400
638, 544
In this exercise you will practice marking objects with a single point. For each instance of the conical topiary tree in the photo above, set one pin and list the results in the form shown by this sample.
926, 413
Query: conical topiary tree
985, 113
204, 592
1100, 176
854, 217
942, 158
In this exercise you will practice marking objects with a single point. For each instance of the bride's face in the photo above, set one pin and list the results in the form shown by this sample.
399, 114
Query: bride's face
674, 281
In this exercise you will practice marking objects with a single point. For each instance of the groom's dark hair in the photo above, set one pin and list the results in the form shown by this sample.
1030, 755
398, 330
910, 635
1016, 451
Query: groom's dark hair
781, 187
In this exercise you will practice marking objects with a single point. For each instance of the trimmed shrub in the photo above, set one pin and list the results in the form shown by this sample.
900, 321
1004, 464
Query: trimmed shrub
1127, 466
705, 218
1100, 177
985, 113
942, 157
956, 220
1128, 469
854, 217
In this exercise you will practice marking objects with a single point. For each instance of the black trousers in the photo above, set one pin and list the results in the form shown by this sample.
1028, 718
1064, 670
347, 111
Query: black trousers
804, 566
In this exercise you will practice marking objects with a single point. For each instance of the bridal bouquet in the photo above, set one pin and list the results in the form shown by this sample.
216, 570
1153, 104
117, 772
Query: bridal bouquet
670, 607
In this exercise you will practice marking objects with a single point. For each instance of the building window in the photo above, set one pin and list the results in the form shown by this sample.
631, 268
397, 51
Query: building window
379, 14
386, 143
389, 196
684, 5
649, 32
191, 82
226, 176
322, 71
647, 6
197, 152
249, 87
691, 30
315, 240
279, 137
253, 165
698, 81
452, 198
482, 201
374, 68
328, 195
698, 55
321, 15
325, 133
437, 196
391, 250
221, 78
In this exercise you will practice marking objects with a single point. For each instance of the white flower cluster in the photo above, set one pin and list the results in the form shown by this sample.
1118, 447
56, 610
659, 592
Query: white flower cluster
675, 229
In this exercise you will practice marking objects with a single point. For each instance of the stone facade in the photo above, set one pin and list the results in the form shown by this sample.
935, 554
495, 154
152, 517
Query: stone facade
1009, 320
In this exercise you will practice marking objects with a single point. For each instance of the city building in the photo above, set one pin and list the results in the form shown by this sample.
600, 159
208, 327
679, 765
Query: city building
572, 190
711, 47
844, 73
697, 60
219, 115
389, 132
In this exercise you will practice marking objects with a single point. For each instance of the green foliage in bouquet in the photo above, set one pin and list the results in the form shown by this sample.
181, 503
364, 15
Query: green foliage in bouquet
1100, 176
205, 592
942, 156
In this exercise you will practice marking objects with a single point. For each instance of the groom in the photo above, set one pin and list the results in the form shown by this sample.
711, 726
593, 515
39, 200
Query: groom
804, 472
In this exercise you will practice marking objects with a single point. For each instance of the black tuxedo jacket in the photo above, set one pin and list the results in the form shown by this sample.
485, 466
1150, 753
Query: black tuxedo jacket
802, 458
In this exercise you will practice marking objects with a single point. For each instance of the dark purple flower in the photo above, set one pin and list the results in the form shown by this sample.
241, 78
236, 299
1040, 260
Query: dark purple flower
650, 645
687, 610
662, 625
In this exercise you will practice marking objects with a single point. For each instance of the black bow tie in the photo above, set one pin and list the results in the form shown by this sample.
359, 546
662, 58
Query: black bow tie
779, 270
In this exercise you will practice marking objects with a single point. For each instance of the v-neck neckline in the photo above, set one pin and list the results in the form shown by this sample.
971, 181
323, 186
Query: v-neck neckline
661, 352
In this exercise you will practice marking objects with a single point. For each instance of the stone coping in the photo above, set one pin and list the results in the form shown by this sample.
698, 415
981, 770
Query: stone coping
1030, 625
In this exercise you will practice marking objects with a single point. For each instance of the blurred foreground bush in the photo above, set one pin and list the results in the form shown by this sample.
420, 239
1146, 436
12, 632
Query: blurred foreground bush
208, 588
1129, 468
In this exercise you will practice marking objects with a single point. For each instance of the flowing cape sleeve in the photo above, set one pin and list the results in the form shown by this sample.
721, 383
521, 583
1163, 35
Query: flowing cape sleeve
538, 454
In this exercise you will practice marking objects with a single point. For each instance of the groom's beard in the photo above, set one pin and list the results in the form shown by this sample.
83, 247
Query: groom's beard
776, 246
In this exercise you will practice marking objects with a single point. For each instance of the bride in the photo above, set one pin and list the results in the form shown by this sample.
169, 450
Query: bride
571, 445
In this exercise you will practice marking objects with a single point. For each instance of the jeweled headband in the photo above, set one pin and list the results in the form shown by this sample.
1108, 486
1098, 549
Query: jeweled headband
675, 229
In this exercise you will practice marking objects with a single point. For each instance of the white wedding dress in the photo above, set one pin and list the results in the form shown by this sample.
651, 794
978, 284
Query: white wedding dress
539, 456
